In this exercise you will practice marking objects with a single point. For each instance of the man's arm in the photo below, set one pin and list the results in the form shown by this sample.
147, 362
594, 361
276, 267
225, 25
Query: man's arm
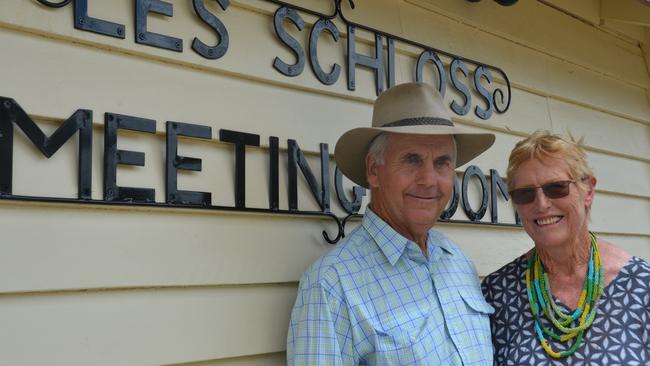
319, 330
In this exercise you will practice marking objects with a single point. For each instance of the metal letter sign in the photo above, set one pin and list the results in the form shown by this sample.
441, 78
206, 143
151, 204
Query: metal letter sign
142, 9
174, 162
84, 22
210, 19
113, 156
381, 63
491, 98
81, 120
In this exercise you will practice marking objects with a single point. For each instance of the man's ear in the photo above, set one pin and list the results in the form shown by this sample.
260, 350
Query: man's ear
371, 171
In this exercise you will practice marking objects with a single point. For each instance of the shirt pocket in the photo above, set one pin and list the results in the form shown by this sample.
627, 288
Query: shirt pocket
407, 333
403, 345
470, 326
474, 300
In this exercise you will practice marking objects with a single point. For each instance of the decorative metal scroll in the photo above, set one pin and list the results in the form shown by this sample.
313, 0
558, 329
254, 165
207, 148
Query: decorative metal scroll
382, 63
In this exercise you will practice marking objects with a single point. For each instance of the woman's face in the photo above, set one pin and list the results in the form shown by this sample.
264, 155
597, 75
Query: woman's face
553, 222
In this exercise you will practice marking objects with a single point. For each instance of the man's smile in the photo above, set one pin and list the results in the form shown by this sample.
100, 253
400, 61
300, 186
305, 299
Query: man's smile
427, 197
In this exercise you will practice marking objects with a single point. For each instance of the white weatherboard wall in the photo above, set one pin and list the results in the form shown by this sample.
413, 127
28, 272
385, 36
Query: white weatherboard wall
91, 285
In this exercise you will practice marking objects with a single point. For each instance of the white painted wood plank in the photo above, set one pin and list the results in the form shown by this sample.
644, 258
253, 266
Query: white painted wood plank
526, 67
253, 44
635, 245
70, 248
268, 359
56, 248
588, 10
494, 247
208, 99
634, 32
608, 169
619, 214
601, 130
144, 327
489, 248
620, 174
634, 12
541, 28
378, 14
577, 85
530, 68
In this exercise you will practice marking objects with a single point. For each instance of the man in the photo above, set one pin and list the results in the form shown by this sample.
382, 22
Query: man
395, 292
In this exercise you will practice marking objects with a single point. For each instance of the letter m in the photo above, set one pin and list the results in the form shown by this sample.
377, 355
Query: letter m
11, 113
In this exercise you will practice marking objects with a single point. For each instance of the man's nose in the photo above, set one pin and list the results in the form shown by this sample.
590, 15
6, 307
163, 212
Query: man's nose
427, 174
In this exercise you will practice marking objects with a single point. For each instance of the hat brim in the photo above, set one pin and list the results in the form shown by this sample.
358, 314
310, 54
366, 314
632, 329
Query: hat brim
352, 147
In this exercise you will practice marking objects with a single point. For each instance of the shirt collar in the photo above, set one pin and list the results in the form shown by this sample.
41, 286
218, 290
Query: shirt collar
393, 244
436, 239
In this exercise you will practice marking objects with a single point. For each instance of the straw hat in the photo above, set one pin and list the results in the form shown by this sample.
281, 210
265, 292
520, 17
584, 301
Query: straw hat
411, 108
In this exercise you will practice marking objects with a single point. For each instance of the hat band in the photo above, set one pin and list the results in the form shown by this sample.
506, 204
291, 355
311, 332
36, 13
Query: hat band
419, 121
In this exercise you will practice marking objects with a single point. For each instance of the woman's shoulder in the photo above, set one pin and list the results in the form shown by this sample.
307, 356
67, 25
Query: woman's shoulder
619, 264
614, 259
630, 290
638, 267
625, 271
612, 254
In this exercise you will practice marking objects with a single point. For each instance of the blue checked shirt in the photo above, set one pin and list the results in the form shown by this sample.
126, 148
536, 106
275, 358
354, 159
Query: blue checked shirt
377, 300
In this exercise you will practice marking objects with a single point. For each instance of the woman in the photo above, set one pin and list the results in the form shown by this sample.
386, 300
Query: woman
574, 299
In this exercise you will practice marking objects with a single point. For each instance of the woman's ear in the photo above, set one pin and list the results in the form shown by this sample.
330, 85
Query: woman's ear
591, 188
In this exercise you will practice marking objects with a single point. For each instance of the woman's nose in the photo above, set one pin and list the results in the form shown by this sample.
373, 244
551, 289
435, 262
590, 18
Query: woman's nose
541, 201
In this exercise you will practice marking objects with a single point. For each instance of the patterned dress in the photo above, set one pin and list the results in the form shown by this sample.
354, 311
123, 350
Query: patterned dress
619, 335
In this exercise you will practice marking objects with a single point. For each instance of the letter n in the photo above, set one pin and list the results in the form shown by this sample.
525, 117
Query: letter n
297, 160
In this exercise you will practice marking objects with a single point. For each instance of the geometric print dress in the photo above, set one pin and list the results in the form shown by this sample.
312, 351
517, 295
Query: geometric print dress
619, 335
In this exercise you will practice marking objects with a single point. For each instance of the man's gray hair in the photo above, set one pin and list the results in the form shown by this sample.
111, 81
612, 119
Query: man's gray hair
378, 145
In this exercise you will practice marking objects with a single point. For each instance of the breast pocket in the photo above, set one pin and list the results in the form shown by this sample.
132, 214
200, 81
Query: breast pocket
475, 301
471, 325
404, 345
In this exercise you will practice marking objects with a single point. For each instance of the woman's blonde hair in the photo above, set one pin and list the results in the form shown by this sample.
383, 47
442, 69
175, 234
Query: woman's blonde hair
543, 144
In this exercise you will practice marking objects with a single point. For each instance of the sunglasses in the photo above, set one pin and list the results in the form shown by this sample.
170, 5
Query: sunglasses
559, 189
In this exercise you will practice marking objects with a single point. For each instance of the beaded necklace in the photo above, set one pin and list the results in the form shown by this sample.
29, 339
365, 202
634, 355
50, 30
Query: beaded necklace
542, 303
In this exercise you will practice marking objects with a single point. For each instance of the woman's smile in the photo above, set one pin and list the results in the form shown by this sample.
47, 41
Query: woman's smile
548, 220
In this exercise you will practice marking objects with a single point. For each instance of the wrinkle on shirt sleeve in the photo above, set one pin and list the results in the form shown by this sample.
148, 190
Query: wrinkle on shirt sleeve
319, 331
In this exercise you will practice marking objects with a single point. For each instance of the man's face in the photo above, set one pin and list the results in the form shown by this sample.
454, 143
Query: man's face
413, 185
